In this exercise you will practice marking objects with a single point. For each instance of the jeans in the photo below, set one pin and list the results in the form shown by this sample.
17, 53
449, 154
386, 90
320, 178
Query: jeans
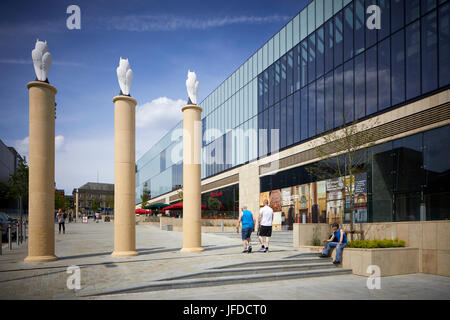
338, 249
63, 226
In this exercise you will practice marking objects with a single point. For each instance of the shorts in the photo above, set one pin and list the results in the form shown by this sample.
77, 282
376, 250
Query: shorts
265, 231
246, 233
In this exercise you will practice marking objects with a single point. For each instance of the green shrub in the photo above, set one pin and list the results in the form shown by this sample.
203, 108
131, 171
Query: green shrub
376, 243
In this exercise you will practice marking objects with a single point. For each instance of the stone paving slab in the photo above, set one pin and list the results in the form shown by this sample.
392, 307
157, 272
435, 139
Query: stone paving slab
89, 246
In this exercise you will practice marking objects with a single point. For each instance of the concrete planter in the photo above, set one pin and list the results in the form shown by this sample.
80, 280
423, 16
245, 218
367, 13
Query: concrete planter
391, 261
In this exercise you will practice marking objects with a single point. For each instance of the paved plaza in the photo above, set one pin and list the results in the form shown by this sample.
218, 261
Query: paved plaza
89, 246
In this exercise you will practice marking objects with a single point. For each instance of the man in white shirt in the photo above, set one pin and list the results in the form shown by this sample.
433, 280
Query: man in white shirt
265, 225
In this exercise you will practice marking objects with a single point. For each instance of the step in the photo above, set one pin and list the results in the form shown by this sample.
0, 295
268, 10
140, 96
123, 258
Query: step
277, 262
227, 280
256, 270
304, 254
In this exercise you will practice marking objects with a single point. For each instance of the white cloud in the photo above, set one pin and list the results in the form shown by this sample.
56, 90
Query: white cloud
143, 23
22, 146
154, 119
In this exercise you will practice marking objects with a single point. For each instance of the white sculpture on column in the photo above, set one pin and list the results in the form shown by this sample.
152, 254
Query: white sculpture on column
192, 87
124, 75
42, 59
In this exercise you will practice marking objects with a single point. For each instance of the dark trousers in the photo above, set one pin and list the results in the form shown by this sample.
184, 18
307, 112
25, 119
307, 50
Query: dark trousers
63, 226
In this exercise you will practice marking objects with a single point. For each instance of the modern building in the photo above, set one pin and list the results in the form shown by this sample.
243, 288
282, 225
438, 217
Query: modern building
91, 191
9, 161
323, 71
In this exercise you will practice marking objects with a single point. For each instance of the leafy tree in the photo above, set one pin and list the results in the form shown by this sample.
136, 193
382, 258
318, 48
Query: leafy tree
95, 205
344, 153
60, 202
109, 201
17, 186
145, 197
214, 203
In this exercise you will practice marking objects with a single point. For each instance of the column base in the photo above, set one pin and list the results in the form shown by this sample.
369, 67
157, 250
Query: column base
191, 250
124, 254
40, 259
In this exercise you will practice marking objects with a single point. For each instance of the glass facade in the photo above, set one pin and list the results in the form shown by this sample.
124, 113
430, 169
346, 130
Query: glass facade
323, 69
407, 180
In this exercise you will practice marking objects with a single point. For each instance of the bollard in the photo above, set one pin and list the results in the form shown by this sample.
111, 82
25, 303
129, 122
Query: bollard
221, 226
17, 233
24, 230
9, 237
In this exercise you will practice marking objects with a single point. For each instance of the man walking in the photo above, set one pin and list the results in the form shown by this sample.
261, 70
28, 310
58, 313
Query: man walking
61, 220
248, 224
265, 222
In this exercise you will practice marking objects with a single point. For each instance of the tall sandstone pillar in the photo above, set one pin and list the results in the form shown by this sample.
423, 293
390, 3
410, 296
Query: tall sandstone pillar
41, 201
192, 131
124, 177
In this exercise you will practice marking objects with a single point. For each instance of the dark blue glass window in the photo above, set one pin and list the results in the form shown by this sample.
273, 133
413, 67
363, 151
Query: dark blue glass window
320, 52
385, 6
304, 73
271, 85
360, 87
329, 40
304, 114
427, 5
411, 10
312, 109
283, 77
398, 67
348, 32
290, 120
297, 66
349, 114
384, 74
277, 80
397, 14
320, 105
329, 101
283, 123
371, 34
371, 81
413, 60
266, 89
338, 39
270, 128
444, 45
429, 53
297, 117
338, 97
276, 122
260, 92
289, 74
267, 127
312, 58
360, 26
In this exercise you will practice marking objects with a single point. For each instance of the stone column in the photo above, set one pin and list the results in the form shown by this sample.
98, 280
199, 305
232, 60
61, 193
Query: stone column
76, 206
41, 199
192, 132
124, 177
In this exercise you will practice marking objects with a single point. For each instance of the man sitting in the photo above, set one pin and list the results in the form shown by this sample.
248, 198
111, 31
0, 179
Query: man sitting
338, 240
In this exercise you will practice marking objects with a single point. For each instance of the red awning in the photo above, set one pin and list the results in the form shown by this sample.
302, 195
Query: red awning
142, 211
178, 206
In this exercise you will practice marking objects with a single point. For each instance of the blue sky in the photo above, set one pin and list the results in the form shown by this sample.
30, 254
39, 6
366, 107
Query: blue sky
161, 39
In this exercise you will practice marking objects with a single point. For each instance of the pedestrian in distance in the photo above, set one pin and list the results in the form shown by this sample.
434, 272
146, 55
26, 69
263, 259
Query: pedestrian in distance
338, 240
265, 222
97, 217
61, 220
248, 225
